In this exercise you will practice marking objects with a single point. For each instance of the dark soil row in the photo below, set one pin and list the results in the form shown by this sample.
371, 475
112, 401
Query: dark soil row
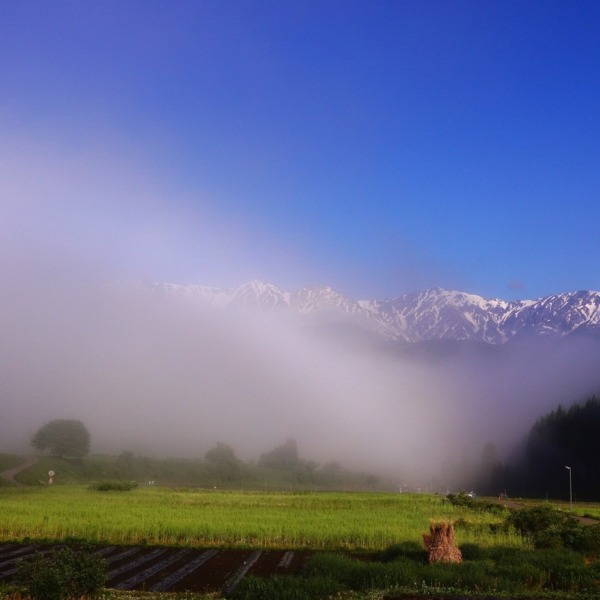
171, 569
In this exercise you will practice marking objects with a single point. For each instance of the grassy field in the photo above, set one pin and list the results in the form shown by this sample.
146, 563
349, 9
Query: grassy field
498, 562
584, 510
216, 518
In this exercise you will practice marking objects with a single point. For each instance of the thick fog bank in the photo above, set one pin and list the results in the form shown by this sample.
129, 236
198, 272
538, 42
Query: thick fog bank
162, 377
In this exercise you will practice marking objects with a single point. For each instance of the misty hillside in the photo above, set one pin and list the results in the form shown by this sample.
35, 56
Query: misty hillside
396, 386
220, 468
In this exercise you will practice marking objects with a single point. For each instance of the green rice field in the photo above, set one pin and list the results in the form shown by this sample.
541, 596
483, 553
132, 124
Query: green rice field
497, 562
238, 519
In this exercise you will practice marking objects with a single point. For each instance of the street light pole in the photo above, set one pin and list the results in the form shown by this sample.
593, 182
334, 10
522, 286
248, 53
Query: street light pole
570, 489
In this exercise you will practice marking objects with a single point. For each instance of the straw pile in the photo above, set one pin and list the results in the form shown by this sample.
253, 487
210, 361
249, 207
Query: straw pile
440, 544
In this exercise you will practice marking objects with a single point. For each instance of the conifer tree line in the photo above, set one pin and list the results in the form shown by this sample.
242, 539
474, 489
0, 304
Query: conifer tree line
566, 437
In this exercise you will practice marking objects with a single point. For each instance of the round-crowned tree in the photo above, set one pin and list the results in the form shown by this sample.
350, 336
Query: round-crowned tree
63, 437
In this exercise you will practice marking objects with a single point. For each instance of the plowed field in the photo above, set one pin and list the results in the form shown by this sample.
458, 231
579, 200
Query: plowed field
171, 569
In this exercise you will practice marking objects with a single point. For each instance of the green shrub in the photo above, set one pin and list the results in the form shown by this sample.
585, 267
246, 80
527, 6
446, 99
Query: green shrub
464, 500
550, 529
530, 521
63, 574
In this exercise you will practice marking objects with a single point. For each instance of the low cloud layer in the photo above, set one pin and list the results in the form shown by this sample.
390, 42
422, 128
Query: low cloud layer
160, 376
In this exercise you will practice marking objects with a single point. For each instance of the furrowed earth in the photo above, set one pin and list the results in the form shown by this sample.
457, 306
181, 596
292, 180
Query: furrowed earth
168, 569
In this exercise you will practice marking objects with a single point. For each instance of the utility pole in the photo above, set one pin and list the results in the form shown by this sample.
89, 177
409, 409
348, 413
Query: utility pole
570, 488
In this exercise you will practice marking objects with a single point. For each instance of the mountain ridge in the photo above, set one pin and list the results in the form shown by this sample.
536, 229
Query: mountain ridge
433, 314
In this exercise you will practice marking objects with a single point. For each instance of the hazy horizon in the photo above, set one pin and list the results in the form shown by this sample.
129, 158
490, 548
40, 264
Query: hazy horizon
161, 376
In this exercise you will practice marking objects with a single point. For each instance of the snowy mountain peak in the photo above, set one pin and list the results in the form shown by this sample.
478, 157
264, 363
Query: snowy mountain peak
260, 294
434, 314
310, 299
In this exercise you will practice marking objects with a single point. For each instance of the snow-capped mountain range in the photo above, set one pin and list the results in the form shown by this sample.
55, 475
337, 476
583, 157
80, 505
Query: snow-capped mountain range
434, 314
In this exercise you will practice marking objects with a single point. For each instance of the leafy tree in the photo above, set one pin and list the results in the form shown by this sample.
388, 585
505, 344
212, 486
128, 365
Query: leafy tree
283, 457
63, 437
224, 463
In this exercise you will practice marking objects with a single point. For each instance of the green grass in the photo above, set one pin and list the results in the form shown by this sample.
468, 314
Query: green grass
497, 562
497, 572
584, 510
11, 594
217, 518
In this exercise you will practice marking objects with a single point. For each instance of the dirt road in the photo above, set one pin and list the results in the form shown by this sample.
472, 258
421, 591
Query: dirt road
9, 474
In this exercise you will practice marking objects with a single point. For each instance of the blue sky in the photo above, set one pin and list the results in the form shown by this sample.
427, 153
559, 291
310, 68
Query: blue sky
378, 147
